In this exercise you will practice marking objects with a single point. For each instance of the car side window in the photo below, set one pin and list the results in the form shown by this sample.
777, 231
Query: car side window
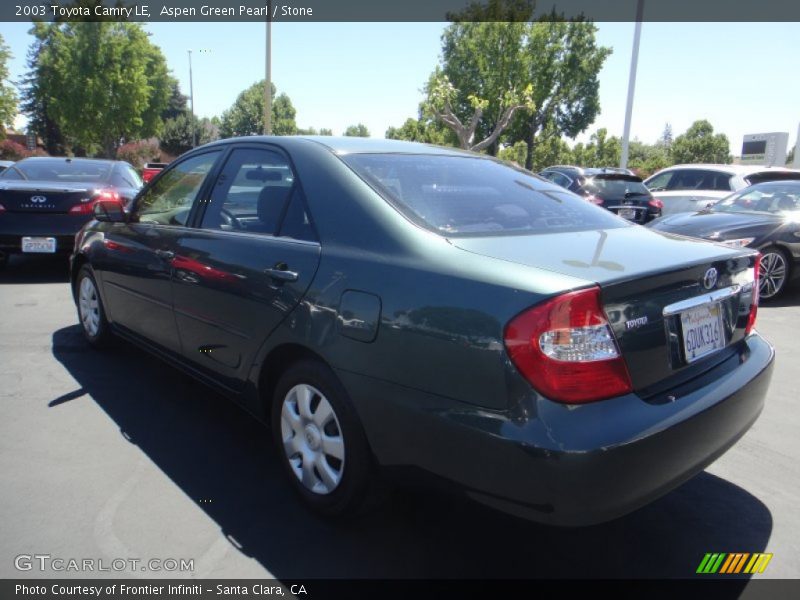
125, 176
561, 179
170, 199
251, 192
11, 173
696, 179
297, 221
660, 182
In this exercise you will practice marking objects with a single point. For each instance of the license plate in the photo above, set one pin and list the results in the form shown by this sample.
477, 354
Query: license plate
703, 331
39, 244
627, 213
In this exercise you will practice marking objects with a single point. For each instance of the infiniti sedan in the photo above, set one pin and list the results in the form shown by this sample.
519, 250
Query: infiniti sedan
44, 201
392, 304
765, 216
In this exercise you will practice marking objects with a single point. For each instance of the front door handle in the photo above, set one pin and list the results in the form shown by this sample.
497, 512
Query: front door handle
281, 274
165, 254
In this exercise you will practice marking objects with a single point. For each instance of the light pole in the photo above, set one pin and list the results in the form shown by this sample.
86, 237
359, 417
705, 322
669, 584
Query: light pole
626, 134
268, 78
191, 100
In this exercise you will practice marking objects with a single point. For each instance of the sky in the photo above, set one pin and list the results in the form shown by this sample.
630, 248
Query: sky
736, 75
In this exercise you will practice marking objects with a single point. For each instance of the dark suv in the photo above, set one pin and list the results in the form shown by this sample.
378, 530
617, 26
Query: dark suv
618, 190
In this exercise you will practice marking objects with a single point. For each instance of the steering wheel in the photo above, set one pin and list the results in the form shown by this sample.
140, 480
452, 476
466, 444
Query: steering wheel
229, 219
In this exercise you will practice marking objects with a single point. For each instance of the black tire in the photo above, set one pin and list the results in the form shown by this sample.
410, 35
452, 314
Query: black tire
772, 258
99, 336
356, 490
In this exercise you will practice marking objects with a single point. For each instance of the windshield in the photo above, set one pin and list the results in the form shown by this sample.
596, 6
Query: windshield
60, 169
455, 195
762, 199
617, 187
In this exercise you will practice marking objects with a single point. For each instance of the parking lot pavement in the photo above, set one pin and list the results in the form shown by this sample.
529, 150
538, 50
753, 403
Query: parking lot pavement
116, 455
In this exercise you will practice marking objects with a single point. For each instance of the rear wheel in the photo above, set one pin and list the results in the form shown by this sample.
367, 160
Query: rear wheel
90, 309
320, 441
774, 273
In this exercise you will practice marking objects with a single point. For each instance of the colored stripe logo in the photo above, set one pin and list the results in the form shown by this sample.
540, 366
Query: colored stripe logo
733, 563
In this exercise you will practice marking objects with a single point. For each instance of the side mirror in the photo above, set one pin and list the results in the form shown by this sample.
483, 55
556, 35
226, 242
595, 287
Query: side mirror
109, 211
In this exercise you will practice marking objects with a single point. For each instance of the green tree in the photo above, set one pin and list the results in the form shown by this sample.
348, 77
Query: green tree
246, 116
561, 61
359, 130
645, 159
179, 132
666, 138
481, 81
8, 97
422, 130
36, 89
177, 104
325, 131
701, 145
102, 83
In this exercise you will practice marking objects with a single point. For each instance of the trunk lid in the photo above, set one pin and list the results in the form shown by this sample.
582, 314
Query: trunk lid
640, 274
44, 197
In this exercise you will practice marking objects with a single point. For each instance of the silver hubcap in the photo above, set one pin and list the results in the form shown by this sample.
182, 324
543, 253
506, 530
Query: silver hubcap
89, 307
772, 274
312, 439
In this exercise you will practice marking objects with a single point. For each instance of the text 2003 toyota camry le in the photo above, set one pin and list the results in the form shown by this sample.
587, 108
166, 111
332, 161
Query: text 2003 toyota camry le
396, 304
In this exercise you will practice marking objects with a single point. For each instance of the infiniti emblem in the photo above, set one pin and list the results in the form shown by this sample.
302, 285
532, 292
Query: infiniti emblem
39, 199
710, 278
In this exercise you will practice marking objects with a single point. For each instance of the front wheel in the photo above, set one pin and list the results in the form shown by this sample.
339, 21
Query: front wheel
774, 273
320, 441
90, 309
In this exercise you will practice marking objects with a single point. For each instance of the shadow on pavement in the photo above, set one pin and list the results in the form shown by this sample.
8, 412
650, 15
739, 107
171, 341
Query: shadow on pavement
213, 450
35, 269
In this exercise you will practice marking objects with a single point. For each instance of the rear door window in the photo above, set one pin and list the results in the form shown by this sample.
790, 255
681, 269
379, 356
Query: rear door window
251, 193
466, 196
616, 187
699, 179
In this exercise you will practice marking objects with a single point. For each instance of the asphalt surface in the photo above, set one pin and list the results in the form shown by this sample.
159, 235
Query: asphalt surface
116, 455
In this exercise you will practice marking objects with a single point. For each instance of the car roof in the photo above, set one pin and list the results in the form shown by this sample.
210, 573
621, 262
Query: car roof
776, 183
69, 159
731, 169
357, 145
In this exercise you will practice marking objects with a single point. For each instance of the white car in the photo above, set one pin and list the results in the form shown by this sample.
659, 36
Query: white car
689, 188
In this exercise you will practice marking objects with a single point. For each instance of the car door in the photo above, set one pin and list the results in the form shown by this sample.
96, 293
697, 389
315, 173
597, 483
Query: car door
246, 264
136, 269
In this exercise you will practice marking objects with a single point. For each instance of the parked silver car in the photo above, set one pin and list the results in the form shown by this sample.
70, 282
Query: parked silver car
689, 188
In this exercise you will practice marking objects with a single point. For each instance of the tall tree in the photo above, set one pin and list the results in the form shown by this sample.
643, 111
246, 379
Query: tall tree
666, 138
562, 61
177, 104
422, 130
701, 145
246, 115
178, 134
359, 130
37, 87
106, 83
8, 97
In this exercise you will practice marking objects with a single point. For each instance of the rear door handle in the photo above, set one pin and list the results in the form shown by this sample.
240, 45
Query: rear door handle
165, 254
281, 274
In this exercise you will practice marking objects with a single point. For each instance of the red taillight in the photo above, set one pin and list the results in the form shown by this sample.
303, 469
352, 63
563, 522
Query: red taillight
594, 199
656, 203
86, 208
566, 349
751, 320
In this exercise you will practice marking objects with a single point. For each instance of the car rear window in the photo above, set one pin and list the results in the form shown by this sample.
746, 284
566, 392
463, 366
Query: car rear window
465, 196
617, 187
64, 170
762, 176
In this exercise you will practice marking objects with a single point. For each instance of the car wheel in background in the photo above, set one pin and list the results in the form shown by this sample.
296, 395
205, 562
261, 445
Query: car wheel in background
320, 441
90, 309
774, 273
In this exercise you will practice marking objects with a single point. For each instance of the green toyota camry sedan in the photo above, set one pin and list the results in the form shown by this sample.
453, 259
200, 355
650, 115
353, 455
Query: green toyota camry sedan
390, 304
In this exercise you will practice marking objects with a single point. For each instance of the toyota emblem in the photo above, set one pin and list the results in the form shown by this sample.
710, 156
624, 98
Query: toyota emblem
710, 278
39, 199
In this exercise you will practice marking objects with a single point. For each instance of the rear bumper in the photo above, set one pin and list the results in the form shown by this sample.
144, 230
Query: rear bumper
573, 465
63, 227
